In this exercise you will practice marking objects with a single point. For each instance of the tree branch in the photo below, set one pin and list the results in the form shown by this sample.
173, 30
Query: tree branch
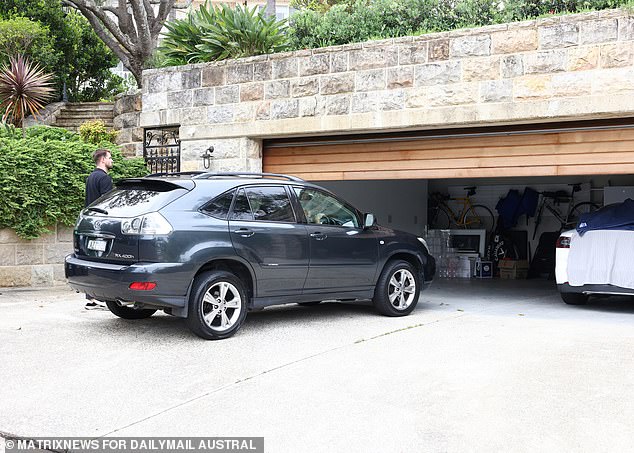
142, 25
164, 10
91, 10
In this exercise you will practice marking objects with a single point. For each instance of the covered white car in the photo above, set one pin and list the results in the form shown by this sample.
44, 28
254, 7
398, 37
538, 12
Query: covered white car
599, 262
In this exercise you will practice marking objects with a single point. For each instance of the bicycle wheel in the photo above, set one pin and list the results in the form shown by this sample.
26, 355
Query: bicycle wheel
440, 219
479, 217
578, 209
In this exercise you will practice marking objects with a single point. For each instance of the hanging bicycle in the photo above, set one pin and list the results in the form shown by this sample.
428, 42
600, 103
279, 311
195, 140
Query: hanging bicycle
567, 218
473, 216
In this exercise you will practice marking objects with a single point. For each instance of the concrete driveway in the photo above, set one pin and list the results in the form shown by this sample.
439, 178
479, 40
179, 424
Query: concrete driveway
472, 369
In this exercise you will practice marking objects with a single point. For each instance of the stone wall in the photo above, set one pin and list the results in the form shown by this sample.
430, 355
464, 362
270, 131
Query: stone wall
127, 112
36, 262
45, 116
558, 68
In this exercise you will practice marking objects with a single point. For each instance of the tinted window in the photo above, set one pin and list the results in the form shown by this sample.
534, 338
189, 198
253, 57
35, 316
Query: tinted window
241, 208
270, 204
321, 208
219, 206
134, 201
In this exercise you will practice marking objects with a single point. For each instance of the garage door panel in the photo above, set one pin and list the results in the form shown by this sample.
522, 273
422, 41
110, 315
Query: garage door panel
456, 164
467, 142
425, 174
598, 151
313, 156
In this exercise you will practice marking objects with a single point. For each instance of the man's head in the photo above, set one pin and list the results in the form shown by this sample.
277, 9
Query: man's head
102, 159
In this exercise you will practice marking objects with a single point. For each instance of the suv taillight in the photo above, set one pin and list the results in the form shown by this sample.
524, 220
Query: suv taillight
563, 242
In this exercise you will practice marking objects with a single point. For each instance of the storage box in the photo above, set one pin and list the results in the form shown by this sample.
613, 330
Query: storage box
484, 269
513, 269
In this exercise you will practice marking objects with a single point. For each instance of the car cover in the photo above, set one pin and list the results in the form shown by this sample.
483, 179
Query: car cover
617, 216
601, 257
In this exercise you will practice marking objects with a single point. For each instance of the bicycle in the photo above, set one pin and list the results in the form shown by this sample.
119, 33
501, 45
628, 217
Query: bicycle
569, 218
472, 216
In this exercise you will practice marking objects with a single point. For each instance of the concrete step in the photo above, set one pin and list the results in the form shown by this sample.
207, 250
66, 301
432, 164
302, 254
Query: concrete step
67, 114
65, 123
90, 106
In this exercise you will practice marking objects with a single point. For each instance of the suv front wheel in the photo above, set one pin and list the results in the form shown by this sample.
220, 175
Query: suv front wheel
398, 289
217, 306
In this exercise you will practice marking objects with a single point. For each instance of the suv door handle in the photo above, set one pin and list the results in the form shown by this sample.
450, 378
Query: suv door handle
244, 232
318, 236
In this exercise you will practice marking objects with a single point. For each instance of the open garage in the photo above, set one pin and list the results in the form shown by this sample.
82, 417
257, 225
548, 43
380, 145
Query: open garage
398, 176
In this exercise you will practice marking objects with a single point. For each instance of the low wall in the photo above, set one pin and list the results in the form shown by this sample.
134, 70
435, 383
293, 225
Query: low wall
37, 262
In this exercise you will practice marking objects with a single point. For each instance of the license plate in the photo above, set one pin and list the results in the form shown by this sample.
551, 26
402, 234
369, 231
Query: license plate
97, 244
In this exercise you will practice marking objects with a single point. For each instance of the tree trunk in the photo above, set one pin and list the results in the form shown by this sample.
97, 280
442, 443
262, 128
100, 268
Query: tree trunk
270, 8
130, 29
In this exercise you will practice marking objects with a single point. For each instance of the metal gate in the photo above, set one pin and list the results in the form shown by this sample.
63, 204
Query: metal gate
162, 150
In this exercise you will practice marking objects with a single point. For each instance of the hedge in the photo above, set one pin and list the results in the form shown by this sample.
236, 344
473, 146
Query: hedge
42, 177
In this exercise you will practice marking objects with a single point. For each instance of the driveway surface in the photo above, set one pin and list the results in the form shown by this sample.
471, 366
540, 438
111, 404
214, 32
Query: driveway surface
479, 366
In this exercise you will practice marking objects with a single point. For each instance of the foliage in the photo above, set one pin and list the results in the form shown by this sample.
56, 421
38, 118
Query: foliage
42, 177
322, 23
96, 132
218, 32
22, 36
24, 89
76, 55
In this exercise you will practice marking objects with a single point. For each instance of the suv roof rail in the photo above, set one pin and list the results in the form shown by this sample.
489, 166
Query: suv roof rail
242, 174
179, 173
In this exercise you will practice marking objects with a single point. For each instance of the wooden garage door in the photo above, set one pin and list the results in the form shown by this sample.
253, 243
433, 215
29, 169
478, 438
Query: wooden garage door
578, 152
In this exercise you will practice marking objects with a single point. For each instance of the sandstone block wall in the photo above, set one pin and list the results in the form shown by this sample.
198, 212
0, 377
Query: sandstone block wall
37, 262
127, 112
559, 68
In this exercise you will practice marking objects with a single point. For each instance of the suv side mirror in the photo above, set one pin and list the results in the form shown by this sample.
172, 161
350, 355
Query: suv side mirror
368, 220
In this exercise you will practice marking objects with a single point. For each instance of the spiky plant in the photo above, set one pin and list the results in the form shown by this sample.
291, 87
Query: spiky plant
24, 89
243, 32
218, 32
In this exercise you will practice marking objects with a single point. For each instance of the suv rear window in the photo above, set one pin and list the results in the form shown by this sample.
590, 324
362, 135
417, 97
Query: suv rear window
264, 203
219, 206
134, 200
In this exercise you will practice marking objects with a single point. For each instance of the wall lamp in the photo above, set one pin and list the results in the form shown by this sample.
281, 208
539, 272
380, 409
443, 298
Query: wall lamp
206, 156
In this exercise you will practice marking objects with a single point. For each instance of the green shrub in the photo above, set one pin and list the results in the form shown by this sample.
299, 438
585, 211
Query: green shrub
95, 132
320, 24
21, 36
214, 33
42, 177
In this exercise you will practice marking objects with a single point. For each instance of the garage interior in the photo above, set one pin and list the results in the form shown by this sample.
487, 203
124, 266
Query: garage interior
392, 175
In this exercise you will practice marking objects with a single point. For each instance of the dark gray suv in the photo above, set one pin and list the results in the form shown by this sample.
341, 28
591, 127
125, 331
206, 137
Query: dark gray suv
209, 247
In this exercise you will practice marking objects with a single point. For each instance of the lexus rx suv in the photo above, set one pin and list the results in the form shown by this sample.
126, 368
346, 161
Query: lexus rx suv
209, 247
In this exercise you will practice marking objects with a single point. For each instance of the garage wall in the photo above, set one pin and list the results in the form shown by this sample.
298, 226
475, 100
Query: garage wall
396, 204
553, 69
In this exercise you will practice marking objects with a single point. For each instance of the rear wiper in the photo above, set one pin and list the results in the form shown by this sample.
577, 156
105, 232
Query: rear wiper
99, 210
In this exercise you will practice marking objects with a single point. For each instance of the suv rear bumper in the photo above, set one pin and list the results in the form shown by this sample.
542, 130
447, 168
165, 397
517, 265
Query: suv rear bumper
595, 289
111, 282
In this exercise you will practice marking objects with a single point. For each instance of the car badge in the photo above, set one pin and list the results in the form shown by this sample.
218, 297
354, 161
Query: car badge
98, 224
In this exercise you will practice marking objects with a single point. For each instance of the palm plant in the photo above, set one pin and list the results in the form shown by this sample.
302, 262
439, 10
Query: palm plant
242, 32
24, 89
218, 32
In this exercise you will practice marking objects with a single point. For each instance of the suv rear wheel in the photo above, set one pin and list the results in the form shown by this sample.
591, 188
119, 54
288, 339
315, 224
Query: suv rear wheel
129, 312
398, 289
217, 306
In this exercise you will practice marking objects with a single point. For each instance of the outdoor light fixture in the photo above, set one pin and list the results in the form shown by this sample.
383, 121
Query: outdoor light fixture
206, 156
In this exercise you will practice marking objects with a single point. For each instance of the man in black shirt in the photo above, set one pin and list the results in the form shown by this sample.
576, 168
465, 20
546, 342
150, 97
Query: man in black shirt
97, 184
